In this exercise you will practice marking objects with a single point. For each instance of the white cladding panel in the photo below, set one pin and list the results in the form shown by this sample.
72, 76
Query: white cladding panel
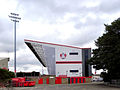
67, 50
64, 68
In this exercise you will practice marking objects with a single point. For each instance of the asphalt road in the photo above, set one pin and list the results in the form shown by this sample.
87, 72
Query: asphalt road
91, 86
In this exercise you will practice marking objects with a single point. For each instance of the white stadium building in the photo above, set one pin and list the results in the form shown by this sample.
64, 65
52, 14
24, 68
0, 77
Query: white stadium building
62, 60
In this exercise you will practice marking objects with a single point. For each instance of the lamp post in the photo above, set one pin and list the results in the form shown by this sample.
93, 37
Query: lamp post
14, 17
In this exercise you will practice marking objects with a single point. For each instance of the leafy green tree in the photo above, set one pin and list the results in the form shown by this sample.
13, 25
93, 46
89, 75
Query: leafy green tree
107, 54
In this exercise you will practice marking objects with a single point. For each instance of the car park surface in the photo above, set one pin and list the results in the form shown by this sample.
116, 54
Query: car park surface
85, 86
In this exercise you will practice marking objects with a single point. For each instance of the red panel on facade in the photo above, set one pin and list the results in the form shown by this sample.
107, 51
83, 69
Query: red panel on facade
68, 62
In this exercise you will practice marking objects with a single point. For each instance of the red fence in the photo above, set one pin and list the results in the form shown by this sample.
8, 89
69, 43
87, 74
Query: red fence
58, 80
43, 81
40, 81
61, 80
47, 81
77, 80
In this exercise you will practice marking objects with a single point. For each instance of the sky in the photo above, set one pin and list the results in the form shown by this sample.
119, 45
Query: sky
70, 22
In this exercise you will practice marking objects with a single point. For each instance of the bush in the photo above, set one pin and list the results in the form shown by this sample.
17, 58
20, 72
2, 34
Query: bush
6, 75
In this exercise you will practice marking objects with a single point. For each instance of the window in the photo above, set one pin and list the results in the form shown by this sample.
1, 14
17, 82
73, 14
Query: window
73, 70
73, 53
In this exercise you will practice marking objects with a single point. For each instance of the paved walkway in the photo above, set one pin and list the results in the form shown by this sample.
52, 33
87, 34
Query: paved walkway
91, 86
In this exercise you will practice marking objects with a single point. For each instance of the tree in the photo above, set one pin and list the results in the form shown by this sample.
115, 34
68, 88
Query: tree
107, 54
6, 75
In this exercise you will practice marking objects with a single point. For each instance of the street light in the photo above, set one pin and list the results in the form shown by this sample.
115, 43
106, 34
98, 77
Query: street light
14, 17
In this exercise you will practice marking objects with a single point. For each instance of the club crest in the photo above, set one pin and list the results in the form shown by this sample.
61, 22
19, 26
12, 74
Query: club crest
63, 55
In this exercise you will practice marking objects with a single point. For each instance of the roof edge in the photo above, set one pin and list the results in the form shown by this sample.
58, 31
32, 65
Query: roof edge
26, 40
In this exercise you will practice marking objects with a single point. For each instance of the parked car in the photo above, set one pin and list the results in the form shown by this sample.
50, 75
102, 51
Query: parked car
21, 82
